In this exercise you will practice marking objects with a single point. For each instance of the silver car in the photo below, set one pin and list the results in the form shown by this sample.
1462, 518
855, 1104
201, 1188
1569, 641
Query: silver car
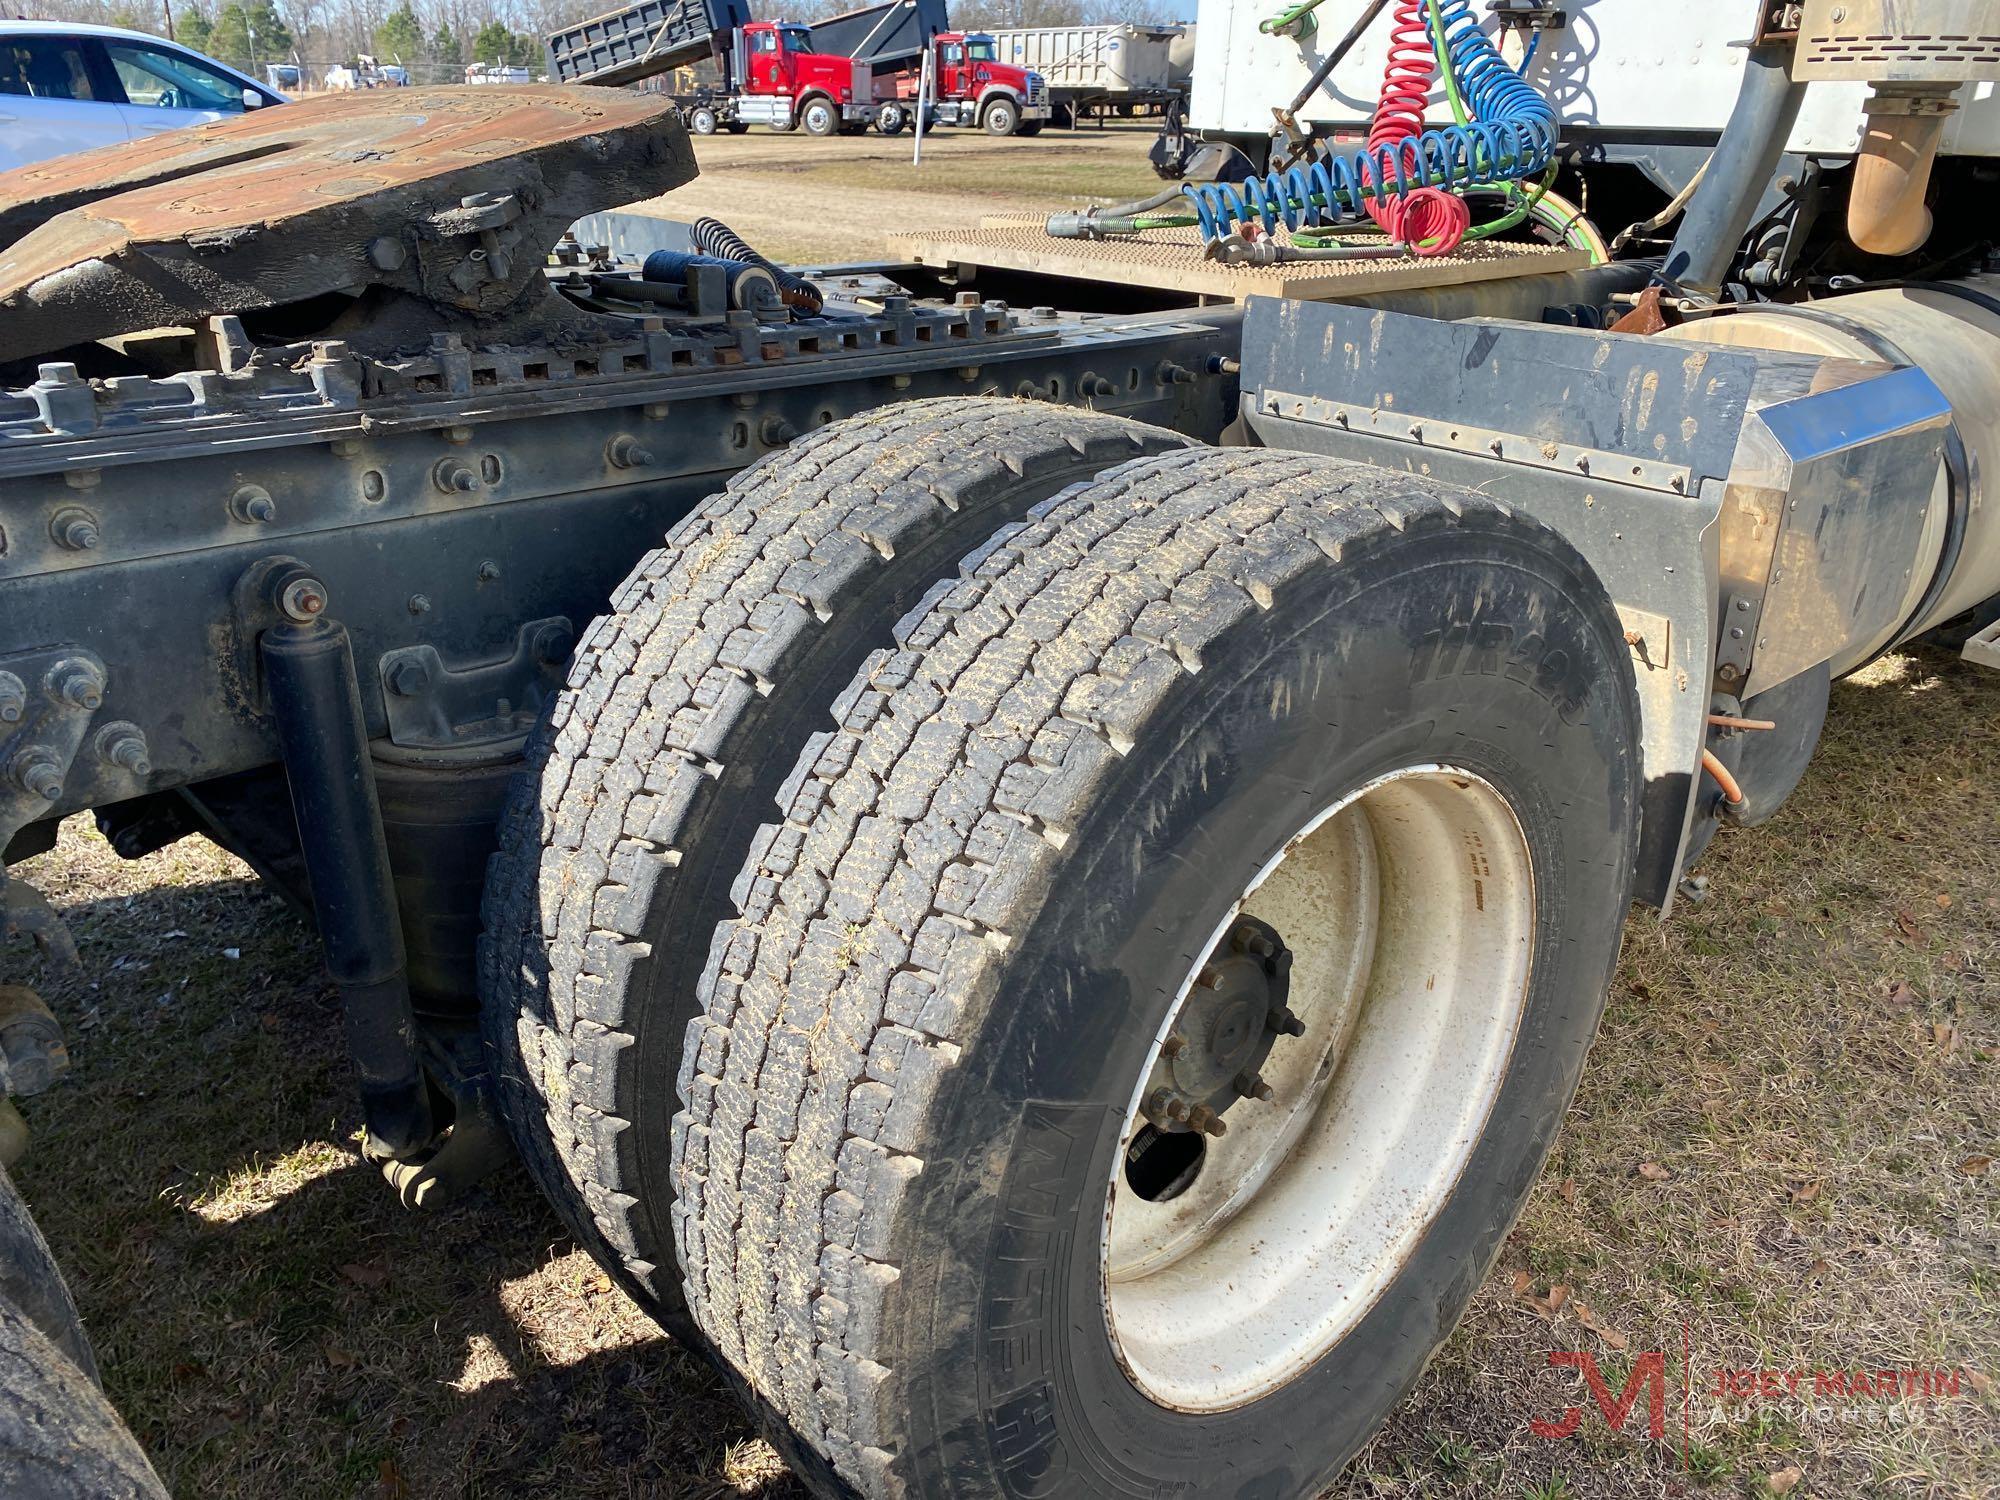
68, 87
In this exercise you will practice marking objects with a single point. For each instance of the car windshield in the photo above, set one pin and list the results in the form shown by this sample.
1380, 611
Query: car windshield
980, 48
170, 80
797, 39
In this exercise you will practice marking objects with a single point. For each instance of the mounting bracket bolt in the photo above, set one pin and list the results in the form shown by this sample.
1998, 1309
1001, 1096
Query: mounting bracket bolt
36, 771
551, 644
253, 505
302, 600
456, 478
75, 683
74, 529
409, 678
122, 744
627, 452
13, 698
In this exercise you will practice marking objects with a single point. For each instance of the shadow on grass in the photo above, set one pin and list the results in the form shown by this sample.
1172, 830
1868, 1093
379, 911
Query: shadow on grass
269, 1319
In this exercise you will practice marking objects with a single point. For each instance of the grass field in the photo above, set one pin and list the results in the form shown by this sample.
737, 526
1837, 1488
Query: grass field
804, 201
1779, 1158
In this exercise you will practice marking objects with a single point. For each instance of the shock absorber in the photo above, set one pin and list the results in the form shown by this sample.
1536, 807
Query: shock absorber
1511, 135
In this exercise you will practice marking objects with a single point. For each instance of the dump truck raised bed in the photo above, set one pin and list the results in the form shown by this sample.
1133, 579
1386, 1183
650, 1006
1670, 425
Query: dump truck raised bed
1030, 865
837, 76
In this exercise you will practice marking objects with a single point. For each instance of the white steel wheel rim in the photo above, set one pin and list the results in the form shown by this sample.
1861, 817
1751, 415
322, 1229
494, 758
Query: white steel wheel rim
1408, 907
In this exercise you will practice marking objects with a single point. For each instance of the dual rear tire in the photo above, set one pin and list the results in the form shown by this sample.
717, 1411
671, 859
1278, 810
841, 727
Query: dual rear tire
1230, 789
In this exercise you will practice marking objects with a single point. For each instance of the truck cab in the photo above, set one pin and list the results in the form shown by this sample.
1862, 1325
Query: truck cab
786, 83
975, 88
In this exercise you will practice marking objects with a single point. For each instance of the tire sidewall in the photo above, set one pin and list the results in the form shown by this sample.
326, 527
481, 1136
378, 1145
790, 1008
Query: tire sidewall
1001, 117
1021, 1381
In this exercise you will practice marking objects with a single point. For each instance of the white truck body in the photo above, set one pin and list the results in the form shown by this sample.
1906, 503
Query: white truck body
1099, 62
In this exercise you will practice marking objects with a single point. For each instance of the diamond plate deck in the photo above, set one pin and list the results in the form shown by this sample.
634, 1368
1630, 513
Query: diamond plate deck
1172, 260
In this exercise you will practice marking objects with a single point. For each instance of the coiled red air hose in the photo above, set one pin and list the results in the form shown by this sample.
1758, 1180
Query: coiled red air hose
1429, 220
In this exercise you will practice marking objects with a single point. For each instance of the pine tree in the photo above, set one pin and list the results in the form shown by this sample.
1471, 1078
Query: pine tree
492, 44
399, 38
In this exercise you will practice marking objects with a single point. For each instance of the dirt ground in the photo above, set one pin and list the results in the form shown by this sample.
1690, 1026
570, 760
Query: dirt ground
1780, 1159
800, 200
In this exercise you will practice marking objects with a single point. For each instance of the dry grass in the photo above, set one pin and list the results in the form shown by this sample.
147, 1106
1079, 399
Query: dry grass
777, 190
1809, 1056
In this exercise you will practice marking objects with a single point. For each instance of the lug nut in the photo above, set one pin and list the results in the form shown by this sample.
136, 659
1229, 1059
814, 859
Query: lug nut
302, 600
1173, 1046
1251, 1086
37, 772
122, 744
1208, 978
1252, 940
13, 698
74, 529
75, 683
1282, 1021
1207, 1121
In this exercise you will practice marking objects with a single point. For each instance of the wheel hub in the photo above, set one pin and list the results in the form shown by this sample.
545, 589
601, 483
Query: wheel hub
1234, 1015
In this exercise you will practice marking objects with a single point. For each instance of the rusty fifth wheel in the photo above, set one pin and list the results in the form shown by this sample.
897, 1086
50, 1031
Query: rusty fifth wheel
1137, 1036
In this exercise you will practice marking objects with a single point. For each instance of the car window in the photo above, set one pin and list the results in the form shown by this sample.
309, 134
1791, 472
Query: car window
43, 67
764, 41
171, 80
953, 53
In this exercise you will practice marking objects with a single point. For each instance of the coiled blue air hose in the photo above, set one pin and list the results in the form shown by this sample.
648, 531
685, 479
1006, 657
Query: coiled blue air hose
1511, 135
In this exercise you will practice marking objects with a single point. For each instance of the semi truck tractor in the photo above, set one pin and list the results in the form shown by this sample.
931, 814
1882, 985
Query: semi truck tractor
1031, 865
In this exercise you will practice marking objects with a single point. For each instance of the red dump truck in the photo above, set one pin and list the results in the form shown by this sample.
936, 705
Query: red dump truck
840, 75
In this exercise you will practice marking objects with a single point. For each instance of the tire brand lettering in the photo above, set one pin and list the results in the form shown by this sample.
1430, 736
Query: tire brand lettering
1494, 648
